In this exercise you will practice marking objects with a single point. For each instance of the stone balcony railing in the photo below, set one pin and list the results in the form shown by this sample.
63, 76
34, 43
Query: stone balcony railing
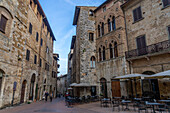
158, 48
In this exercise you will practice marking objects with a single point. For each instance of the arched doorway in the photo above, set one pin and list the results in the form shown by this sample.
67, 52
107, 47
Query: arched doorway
23, 91
103, 83
31, 94
150, 87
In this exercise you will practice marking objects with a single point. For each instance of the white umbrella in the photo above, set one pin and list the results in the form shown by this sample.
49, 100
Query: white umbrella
73, 84
132, 76
165, 74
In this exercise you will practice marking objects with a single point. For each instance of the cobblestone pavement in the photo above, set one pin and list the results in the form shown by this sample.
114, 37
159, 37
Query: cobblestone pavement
58, 106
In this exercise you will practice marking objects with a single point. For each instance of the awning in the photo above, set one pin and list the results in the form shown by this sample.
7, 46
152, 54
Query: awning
73, 84
165, 74
82, 85
132, 76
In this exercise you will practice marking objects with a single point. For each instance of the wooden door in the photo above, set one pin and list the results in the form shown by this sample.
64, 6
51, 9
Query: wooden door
23, 91
116, 89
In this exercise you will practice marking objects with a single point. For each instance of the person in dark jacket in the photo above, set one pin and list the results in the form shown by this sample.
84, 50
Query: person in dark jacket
46, 96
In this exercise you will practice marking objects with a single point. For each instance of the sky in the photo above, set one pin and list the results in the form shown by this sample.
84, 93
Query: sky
60, 14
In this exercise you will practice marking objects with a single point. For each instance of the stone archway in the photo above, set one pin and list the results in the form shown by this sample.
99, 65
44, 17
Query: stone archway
23, 91
103, 83
31, 93
150, 87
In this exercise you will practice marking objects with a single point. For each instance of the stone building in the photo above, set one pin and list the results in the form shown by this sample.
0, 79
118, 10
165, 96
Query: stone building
110, 48
84, 73
25, 34
148, 42
62, 84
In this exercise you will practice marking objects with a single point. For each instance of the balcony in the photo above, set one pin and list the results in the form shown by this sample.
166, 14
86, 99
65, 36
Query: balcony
154, 49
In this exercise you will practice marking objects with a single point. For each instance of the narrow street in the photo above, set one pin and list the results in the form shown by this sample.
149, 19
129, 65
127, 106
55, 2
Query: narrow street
58, 106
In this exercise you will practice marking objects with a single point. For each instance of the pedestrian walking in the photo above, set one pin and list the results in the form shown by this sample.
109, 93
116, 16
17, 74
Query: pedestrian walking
51, 97
46, 96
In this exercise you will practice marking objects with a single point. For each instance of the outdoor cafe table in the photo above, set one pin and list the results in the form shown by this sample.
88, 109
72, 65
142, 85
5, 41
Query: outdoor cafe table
153, 104
106, 101
126, 102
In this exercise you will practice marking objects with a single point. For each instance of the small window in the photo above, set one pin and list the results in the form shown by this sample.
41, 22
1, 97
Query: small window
104, 54
169, 31
90, 13
91, 35
30, 28
47, 49
104, 8
37, 35
99, 31
166, 2
40, 62
28, 55
3, 23
35, 59
137, 14
93, 62
102, 28
41, 42
100, 55
113, 23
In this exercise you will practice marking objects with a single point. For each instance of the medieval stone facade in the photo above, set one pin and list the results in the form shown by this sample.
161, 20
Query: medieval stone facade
110, 46
148, 35
85, 49
26, 51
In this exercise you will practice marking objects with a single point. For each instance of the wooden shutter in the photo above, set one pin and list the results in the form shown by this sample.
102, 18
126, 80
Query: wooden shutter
139, 13
134, 15
166, 2
169, 30
3, 23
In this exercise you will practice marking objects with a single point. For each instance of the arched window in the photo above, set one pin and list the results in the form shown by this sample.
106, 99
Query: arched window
115, 50
109, 25
111, 51
93, 62
99, 30
113, 23
1, 76
100, 55
90, 12
102, 28
5, 21
91, 37
104, 57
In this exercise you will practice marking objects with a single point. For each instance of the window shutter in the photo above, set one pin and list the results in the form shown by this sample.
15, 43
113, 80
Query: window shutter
135, 15
169, 30
3, 23
139, 13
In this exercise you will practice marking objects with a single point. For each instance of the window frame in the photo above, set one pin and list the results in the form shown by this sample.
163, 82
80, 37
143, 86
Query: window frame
28, 55
91, 36
92, 62
164, 6
138, 15
41, 42
37, 36
3, 29
30, 28
35, 59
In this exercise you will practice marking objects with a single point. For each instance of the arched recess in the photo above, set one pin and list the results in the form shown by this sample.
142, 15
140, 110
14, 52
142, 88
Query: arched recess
150, 87
24, 83
103, 83
32, 83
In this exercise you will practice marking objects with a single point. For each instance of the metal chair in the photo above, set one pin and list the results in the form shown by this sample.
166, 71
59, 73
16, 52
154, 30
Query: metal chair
116, 104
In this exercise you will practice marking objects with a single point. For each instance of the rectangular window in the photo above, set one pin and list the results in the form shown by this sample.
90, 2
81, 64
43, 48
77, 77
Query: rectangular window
47, 49
37, 35
91, 36
30, 28
137, 14
141, 45
104, 8
40, 62
3, 23
41, 41
169, 31
166, 2
35, 59
28, 55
